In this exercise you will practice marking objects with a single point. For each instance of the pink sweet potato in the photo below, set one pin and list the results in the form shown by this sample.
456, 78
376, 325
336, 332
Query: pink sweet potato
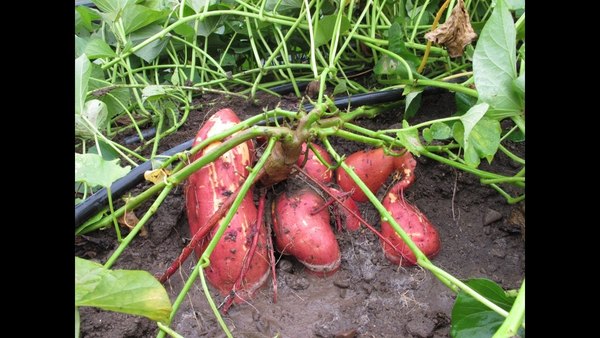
415, 224
206, 190
228, 257
209, 187
306, 236
313, 166
351, 222
372, 166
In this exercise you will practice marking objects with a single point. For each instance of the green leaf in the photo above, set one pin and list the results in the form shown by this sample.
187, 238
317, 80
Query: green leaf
96, 114
494, 62
153, 91
427, 135
77, 322
137, 16
198, 5
134, 292
107, 152
440, 131
80, 44
515, 4
94, 170
115, 100
326, 29
186, 30
413, 103
471, 117
463, 102
471, 318
410, 139
97, 48
154, 48
340, 88
285, 6
87, 15
82, 75
209, 25
396, 45
483, 142
112, 6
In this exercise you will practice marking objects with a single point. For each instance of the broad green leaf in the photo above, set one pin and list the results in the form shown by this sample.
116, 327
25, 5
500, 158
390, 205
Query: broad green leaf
97, 48
427, 135
112, 6
115, 100
82, 75
94, 170
137, 16
284, 7
484, 140
325, 29
472, 319
410, 139
134, 292
440, 131
107, 152
87, 15
515, 4
463, 102
340, 88
494, 62
154, 48
413, 103
186, 30
396, 45
77, 322
80, 44
198, 5
471, 117
96, 114
209, 25
153, 91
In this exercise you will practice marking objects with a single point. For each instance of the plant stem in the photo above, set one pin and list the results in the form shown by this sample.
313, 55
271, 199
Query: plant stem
138, 226
433, 27
164, 328
112, 210
516, 317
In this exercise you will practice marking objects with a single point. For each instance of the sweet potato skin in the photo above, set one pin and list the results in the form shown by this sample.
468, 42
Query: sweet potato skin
306, 236
209, 187
372, 166
313, 166
415, 224
351, 223
205, 192
227, 259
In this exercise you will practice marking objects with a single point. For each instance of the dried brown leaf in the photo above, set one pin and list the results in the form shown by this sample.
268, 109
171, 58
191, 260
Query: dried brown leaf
455, 33
130, 220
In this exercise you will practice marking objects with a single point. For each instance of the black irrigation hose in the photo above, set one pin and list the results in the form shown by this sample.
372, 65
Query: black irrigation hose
93, 204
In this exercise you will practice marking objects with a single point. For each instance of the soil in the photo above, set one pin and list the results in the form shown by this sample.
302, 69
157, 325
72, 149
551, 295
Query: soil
482, 236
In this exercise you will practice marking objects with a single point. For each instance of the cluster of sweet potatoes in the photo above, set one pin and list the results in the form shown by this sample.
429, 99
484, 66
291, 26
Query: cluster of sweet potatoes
239, 264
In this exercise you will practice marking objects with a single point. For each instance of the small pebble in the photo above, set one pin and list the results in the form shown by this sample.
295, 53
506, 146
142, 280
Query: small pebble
343, 293
346, 334
297, 282
285, 265
498, 253
491, 216
342, 284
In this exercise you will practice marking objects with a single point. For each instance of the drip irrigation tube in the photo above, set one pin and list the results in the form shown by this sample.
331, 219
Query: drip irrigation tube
93, 204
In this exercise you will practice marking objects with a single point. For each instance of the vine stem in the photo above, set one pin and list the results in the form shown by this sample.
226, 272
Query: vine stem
433, 27
516, 316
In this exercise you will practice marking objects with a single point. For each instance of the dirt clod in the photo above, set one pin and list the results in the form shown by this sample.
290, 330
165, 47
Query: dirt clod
491, 216
421, 327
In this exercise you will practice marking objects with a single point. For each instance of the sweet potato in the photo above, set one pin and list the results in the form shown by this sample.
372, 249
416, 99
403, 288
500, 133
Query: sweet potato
405, 165
313, 166
207, 188
372, 166
205, 192
306, 236
351, 222
416, 225
228, 257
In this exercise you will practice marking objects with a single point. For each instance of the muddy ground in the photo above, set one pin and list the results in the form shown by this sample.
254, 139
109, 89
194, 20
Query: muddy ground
482, 236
